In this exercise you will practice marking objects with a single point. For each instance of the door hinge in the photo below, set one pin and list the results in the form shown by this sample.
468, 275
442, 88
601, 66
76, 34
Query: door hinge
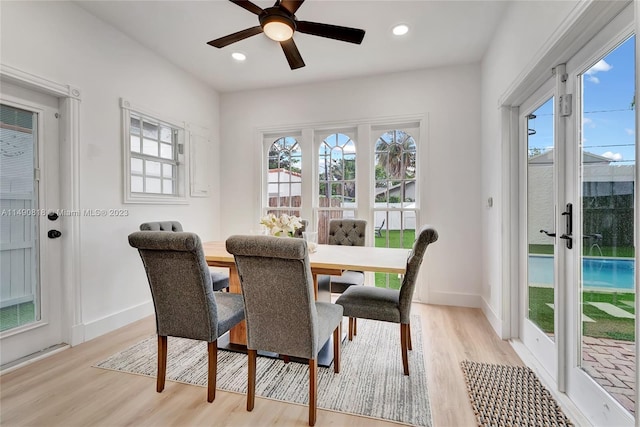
565, 105
36, 174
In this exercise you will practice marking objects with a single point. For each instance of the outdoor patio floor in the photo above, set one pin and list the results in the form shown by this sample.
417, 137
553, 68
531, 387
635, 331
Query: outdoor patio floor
612, 364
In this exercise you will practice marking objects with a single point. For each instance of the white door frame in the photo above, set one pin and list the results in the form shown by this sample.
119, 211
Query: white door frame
585, 21
69, 106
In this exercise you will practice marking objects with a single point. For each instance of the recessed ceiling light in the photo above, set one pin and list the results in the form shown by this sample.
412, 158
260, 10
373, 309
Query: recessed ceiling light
400, 30
238, 56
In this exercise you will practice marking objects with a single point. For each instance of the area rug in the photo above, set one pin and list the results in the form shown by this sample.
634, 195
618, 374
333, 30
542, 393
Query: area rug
371, 382
504, 395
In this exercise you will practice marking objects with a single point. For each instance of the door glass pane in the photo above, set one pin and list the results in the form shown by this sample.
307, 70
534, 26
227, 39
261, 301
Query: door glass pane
540, 217
19, 286
607, 259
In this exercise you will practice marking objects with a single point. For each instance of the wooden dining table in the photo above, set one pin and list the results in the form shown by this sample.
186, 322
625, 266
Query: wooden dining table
327, 259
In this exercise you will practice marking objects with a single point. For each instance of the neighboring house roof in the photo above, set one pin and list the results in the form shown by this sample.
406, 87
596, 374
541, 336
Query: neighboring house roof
395, 187
284, 183
546, 158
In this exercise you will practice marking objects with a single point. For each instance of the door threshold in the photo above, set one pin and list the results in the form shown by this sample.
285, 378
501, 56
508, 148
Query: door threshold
33, 357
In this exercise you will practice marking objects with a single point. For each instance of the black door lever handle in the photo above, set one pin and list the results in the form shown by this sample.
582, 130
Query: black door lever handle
548, 234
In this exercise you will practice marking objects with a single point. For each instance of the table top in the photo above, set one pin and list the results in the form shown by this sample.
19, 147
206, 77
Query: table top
330, 257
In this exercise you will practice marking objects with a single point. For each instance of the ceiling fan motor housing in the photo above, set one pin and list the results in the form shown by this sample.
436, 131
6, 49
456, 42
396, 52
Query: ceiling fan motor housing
277, 14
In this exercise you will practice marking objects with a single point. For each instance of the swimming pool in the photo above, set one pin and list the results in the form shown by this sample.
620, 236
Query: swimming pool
597, 272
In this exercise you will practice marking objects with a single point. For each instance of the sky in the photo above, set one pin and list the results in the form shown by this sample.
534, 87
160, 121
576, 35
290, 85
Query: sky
608, 122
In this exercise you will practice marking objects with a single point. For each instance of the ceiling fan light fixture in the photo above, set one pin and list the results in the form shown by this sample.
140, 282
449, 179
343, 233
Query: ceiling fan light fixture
277, 29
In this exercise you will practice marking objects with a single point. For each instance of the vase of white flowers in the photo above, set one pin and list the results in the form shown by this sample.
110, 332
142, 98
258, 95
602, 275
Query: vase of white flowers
281, 226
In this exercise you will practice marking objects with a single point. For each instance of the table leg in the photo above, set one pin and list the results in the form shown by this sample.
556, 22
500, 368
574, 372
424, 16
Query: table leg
237, 334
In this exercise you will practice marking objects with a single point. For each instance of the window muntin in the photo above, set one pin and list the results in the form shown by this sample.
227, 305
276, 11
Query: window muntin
154, 159
336, 180
155, 165
284, 176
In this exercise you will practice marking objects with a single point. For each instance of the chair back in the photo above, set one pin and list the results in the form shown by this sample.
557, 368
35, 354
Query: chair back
348, 232
180, 284
426, 236
277, 286
161, 226
299, 231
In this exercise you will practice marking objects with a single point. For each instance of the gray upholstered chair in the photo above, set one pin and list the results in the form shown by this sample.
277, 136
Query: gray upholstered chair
299, 231
390, 305
349, 232
282, 316
219, 280
183, 297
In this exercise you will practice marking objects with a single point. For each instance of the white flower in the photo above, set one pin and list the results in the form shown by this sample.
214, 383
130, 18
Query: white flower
282, 224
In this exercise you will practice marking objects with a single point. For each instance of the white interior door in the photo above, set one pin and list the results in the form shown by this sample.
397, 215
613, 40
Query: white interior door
30, 287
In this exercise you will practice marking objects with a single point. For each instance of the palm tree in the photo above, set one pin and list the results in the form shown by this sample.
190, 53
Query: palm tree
396, 156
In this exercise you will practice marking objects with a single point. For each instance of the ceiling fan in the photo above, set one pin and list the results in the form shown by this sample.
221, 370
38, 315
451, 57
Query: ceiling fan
279, 23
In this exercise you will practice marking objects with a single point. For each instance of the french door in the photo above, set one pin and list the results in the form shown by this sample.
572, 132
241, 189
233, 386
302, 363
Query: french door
30, 247
578, 293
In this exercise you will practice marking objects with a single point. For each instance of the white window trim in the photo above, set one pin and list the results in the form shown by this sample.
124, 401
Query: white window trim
183, 164
361, 129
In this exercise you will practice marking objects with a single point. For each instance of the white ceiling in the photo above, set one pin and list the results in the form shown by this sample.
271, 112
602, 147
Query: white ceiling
441, 33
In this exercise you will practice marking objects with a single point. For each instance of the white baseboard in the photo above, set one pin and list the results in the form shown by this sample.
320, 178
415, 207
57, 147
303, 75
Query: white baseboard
454, 299
114, 321
492, 317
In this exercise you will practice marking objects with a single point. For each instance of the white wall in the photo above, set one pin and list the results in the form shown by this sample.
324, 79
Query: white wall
450, 184
61, 42
523, 31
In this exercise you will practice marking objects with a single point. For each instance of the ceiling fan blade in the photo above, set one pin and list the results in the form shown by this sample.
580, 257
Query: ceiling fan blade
291, 5
345, 34
235, 37
292, 53
246, 4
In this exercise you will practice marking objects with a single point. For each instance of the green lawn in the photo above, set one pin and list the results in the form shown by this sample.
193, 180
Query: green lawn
408, 237
605, 326
17, 315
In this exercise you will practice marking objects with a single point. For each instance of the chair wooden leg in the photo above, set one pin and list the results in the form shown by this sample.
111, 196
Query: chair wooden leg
251, 383
286, 358
351, 319
355, 326
409, 336
313, 389
213, 370
337, 337
404, 345
162, 362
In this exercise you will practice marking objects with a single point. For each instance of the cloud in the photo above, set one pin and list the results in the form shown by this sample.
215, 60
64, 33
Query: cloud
587, 122
601, 65
630, 132
613, 156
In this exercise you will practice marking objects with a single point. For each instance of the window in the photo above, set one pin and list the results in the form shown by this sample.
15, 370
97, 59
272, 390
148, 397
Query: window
395, 195
284, 176
153, 158
336, 181
363, 170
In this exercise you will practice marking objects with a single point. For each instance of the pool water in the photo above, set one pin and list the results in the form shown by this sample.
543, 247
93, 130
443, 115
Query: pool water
597, 272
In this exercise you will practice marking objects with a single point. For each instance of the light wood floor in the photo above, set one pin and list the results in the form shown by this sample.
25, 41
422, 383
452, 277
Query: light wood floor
64, 390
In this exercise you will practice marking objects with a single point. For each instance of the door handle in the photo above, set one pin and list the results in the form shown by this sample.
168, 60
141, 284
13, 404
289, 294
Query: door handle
54, 234
548, 234
568, 236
